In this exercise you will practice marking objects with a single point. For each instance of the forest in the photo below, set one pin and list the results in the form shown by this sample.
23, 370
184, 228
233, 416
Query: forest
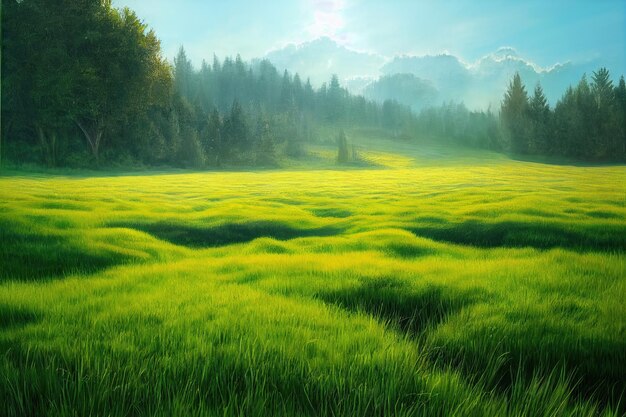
102, 94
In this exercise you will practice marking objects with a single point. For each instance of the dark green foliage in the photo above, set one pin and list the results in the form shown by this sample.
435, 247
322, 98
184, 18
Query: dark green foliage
79, 68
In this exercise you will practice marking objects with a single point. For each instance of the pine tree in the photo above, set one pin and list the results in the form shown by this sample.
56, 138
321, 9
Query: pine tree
308, 96
602, 88
286, 93
334, 106
566, 124
235, 134
298, 91
585, 135
514, 114
183, 73
539, 112
606, 125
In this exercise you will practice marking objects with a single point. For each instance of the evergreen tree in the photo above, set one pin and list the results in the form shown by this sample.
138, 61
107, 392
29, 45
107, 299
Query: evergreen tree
606, 123
205, 87
211, 137
286, 93
308, 96
183, 74
334, 101
298, 91
585, 136
235, 136
514, 115
539, 112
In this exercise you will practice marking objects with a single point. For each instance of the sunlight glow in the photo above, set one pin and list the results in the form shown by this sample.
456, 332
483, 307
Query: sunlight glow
328, 19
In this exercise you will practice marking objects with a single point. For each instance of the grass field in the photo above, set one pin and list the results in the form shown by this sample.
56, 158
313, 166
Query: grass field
424, 284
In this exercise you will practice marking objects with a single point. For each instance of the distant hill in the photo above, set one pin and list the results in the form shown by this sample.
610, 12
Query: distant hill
483, 82
405, 88
437, 78
321, 58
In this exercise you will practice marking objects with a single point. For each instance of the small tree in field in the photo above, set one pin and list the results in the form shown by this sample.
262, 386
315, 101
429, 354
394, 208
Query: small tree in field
342, 148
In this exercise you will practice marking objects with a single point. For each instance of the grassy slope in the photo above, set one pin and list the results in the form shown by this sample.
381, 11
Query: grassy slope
432, 283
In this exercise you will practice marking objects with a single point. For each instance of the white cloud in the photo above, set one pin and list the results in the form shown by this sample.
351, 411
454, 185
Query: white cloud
328, 20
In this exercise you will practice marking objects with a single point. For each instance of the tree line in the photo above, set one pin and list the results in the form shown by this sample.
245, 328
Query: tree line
85, 84
588, 123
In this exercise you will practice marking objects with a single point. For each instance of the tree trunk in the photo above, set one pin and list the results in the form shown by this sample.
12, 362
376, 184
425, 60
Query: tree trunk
93, 136
48, 146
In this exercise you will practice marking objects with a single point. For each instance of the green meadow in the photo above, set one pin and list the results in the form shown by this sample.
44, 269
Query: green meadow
425, 282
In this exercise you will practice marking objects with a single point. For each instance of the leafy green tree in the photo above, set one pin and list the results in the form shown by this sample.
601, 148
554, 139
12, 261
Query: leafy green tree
36, 81
113, 74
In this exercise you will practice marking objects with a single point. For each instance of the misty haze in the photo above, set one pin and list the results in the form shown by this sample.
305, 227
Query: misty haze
313, 208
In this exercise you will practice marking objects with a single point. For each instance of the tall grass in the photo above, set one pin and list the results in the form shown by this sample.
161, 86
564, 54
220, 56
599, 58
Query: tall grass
461, 289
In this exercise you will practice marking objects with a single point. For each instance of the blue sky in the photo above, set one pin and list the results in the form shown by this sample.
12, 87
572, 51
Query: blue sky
543, 31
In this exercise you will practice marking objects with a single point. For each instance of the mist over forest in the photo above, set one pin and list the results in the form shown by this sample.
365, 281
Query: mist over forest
110, 97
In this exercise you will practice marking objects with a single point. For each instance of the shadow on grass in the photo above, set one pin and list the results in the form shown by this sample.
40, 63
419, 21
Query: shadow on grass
565, 161
331, 212
593, 369
13, 317
522, 234
28, 254
409, 310
225, 234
